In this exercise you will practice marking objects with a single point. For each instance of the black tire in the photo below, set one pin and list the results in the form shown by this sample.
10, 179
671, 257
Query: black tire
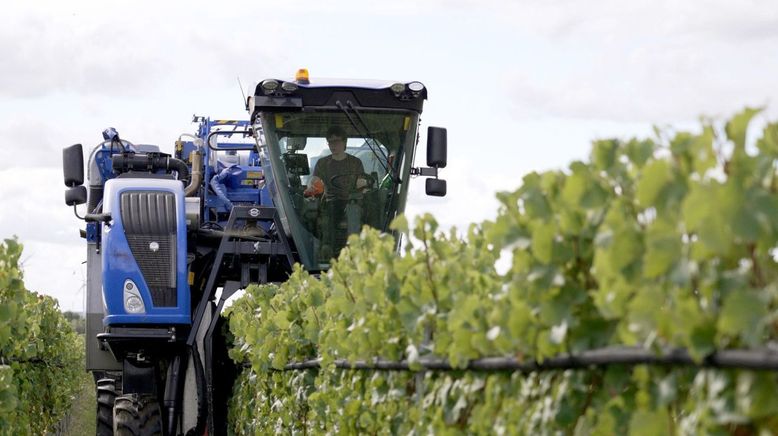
106, 395
135, 415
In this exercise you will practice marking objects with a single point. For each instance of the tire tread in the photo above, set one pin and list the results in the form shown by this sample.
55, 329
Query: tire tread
136, 414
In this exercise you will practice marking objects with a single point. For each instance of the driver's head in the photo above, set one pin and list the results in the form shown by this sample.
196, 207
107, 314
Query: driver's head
336, 139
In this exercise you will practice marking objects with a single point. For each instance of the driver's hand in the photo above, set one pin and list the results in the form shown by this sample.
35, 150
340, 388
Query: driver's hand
361, 183
315, 189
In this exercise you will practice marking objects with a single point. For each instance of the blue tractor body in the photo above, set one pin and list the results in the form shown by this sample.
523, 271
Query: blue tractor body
145, 246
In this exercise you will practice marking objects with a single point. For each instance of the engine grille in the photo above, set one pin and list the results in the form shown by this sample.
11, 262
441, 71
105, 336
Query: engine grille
149, 219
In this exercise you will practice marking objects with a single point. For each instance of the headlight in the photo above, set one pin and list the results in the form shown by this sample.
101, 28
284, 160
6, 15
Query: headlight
133, 303
269, 85
289, 86
415, 86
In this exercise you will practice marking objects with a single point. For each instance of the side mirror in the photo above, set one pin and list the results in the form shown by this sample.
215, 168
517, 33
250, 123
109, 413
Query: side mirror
75, 195
436, 159
436, 187
73, 165
436, 147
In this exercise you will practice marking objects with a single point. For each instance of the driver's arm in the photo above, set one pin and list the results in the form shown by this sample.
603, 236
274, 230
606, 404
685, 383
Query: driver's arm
315, 184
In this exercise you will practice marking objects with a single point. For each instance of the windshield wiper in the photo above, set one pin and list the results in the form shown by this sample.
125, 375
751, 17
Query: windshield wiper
383, 159
389, 171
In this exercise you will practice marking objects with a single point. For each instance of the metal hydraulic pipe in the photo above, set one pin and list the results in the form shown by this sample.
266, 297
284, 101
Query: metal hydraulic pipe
197, 173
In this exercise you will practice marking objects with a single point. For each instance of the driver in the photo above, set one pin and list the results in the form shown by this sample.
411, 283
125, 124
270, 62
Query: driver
338, 174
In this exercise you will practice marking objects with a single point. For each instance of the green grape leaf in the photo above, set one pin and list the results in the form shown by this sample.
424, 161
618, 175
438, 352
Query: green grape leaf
737, 127
543, 241
656, 176
741, 315
604, 154
663, 248
702, 152
639, 151
649, 423
768, 143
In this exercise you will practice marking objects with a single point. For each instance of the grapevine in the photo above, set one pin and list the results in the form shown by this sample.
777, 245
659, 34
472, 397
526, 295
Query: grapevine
41, 365
660, 243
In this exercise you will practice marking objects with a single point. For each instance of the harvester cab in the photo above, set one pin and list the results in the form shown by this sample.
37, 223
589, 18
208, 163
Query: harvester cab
171, 237
323, 199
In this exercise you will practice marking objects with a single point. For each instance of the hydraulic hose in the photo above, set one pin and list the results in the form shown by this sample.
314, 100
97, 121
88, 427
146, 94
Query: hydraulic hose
176, 165
173, 387
202, 402
150, 162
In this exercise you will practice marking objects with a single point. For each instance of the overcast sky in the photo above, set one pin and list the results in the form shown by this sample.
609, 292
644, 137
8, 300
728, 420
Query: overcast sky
520, 85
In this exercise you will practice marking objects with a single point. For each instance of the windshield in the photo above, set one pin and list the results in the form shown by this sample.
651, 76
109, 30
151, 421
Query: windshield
333, 173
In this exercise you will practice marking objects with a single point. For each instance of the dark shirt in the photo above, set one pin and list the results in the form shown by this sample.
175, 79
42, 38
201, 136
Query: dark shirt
339, 176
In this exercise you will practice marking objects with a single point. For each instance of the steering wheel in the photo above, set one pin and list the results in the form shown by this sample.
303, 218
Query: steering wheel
368, 178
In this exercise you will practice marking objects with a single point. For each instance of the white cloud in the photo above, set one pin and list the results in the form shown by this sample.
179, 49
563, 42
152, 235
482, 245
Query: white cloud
45, 54
123, 50
34, 206
34, 142
470, 198
647, 61
57, 270
613, 20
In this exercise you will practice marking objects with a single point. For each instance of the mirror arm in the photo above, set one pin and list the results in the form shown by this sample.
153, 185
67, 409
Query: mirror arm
425, 172
75, 212
98, 217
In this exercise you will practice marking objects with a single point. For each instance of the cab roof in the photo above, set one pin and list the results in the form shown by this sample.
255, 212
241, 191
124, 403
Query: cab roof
294, 94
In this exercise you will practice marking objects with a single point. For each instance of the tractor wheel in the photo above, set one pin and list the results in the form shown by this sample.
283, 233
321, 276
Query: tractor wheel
135, 414
106, 395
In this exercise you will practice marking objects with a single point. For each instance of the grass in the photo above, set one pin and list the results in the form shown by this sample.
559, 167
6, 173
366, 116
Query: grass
82, 416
